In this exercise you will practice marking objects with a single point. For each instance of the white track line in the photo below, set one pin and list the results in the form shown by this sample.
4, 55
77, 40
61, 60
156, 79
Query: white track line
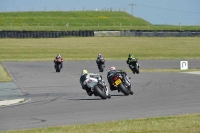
195, 72
10, 102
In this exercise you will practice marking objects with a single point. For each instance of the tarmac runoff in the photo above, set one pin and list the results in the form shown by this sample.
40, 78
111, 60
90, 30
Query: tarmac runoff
10, 94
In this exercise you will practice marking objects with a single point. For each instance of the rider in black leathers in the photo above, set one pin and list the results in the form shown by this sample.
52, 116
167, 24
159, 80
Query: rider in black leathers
99, 56
112, 71
58, 57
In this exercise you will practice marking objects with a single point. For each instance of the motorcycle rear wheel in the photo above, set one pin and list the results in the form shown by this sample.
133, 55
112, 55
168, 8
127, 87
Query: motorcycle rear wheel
99, 92
123, 89
136, 69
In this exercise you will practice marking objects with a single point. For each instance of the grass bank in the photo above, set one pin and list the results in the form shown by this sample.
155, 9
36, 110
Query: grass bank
113, 48
80, 20
172, 124
76, 20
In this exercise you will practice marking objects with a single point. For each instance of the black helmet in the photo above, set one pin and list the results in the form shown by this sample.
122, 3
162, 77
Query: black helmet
129, 55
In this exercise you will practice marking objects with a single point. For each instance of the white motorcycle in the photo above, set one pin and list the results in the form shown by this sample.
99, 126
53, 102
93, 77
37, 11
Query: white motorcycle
98, 87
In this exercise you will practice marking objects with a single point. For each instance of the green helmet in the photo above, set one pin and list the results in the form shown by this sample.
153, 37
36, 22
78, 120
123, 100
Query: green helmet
130, 56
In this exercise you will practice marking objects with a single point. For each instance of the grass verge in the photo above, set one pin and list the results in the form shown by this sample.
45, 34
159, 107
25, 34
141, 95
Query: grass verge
4, 76
171, 124
113, 48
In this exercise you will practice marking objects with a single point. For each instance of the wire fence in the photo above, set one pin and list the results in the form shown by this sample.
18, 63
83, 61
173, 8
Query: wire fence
90, 26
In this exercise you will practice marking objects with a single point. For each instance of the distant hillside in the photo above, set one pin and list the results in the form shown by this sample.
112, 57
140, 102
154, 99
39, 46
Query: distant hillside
76, 20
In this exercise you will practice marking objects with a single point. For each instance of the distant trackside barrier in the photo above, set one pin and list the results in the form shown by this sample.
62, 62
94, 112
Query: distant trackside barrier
90, 33
44, 34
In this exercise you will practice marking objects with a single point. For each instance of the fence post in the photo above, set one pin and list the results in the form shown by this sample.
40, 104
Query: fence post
38, 26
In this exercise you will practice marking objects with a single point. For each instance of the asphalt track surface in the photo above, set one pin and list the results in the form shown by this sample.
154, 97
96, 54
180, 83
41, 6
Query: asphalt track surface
58, 99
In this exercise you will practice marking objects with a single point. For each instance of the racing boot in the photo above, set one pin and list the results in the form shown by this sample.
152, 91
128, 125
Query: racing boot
108, 96
90, 93
131, 92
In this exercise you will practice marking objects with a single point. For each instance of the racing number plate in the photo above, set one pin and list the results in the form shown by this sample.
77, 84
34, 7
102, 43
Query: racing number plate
118, 81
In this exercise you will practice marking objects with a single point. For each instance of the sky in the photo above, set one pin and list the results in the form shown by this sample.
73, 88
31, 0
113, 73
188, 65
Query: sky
172, 12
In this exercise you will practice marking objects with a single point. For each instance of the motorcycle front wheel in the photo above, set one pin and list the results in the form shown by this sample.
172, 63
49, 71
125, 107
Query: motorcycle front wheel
58, 67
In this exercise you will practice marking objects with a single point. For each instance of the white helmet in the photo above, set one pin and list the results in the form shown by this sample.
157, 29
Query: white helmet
112, 68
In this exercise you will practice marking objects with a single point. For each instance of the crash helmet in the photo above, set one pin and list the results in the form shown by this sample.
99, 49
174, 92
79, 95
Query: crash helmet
112, 68
84, 71
130, 55
99, 54
58, 56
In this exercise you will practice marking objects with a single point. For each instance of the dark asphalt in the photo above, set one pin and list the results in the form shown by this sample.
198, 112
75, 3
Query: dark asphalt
57, 98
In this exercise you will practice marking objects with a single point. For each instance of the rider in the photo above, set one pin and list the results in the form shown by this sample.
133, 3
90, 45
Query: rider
84, 76
112, 71
58, 57
99, 56
130, 58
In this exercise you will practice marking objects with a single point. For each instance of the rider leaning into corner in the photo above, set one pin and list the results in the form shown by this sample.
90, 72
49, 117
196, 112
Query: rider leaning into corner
112, 71
99, 56
56, 58
130, 57
84, 76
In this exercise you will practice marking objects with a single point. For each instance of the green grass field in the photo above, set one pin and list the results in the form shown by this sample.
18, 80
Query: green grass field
113, 48
80, 20
171, 124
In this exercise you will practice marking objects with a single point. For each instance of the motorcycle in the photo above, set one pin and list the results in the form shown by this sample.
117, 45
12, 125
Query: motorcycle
98, 87
134, 66
58, 64
101, 64
122, 83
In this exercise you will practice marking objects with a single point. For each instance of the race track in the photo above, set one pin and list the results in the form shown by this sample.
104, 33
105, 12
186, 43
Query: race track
58, 99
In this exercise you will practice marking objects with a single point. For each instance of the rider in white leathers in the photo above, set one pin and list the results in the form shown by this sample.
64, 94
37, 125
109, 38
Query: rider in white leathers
84, 76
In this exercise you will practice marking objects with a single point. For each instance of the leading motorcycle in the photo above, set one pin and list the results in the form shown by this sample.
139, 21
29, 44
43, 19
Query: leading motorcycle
101, 64
58, 64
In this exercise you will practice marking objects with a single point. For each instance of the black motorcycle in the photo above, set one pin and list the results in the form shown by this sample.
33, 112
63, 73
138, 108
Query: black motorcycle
134, 65
58, 65
122, 83
101, 64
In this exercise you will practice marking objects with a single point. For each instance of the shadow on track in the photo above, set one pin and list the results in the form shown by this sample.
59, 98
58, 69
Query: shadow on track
86, 99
